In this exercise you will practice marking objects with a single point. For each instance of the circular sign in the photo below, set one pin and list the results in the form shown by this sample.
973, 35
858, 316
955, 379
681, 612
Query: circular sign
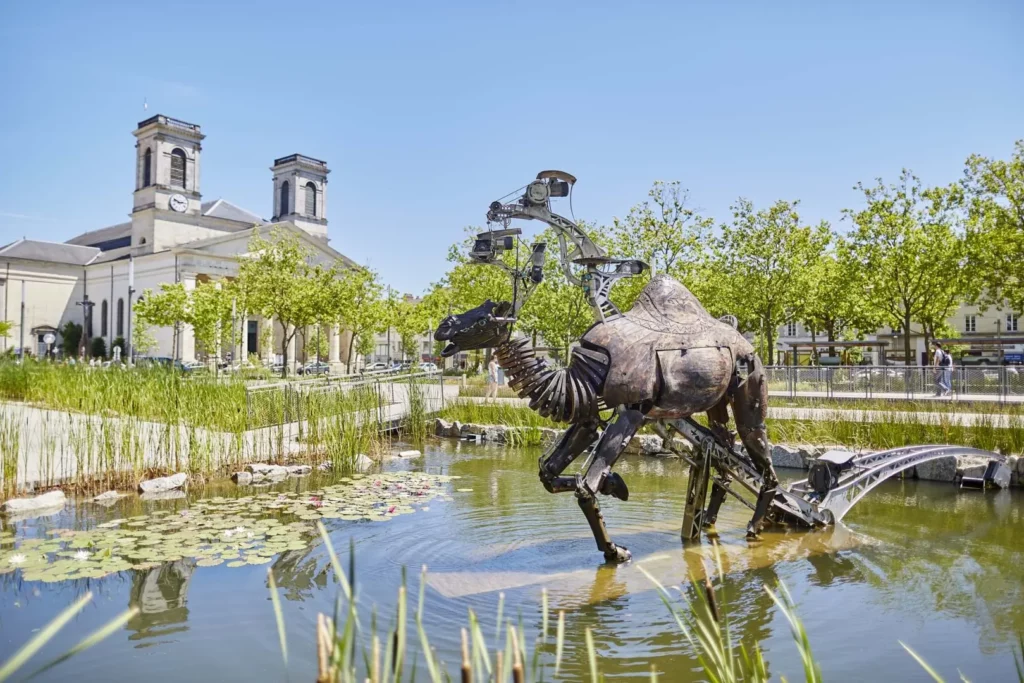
49, 338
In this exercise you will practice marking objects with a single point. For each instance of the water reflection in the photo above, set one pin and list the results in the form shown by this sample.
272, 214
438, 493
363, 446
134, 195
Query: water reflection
161, 594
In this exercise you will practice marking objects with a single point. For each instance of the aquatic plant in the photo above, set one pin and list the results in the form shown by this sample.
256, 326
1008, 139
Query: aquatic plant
235, 531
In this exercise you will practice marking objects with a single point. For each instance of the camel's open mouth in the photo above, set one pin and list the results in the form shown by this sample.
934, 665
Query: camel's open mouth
450, 350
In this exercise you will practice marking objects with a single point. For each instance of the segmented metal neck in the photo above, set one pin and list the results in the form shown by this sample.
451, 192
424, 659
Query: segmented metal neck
567, 394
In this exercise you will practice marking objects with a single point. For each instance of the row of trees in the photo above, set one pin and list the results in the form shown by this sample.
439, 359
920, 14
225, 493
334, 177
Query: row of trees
909, 257
277, 279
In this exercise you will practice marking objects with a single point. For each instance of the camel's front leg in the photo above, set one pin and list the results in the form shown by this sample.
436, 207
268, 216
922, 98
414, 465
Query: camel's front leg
750, 407
567, 448
599, 478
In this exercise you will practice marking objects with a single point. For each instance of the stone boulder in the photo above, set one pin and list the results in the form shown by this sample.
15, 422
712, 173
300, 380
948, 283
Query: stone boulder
549, 434
299, 470
242, 478
941, 469
409, 454
175, 481
325, 466
1013, 463
455, 431
789, 457
47, 501
496, 434
971, 466
363, 463
264, 472
442, 427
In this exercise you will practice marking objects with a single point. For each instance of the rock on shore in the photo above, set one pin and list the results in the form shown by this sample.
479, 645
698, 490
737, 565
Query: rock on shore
175, 481
47, 501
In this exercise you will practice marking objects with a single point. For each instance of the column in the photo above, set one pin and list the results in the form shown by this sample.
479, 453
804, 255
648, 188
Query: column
334, 347
187, 338
266, 332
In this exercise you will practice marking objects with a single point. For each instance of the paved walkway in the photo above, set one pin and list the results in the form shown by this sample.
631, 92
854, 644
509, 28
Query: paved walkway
898, 396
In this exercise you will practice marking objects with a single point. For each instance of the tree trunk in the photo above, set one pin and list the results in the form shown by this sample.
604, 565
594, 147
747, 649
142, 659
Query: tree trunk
906, 338
348, 359
814, 346
770, 339
285, 338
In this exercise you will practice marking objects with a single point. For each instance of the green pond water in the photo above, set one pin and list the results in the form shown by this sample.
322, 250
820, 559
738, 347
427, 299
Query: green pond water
920, 562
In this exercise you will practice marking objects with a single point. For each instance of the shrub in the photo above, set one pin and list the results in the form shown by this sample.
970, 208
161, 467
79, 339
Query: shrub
98, 348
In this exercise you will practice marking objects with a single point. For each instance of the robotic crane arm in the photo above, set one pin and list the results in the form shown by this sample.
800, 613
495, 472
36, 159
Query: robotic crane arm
575, 247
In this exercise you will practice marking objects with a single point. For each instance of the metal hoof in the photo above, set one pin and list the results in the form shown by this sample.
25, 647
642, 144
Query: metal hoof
617, 554
615, 486
753, 534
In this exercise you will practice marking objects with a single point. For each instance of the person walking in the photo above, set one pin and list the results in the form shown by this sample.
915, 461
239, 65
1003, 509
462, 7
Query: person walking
943, 363
492, 377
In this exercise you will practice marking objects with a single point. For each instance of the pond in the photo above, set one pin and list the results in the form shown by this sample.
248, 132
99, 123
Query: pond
915, 561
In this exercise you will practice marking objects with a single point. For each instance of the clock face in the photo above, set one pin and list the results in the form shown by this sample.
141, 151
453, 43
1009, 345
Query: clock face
178, 203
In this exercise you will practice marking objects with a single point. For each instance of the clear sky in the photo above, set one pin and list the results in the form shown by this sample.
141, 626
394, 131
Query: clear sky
427, 111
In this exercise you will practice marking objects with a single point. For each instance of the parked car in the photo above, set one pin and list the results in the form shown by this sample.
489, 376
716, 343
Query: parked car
315, 368
428, 367
375, 367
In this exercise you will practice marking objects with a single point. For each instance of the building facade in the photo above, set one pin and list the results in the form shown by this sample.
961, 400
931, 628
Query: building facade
173, 235
988, 336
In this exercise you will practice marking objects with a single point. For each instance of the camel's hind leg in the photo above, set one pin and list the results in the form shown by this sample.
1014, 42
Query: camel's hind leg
749, 408
718, 421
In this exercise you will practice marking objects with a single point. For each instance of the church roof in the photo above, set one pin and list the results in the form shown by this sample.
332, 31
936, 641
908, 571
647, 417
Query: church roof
52, 252
222, 208
103, 237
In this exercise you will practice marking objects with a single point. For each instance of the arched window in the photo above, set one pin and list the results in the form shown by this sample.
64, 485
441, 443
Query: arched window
178, 169
310, 200
284, 199
120, 317
103, 319
147, 168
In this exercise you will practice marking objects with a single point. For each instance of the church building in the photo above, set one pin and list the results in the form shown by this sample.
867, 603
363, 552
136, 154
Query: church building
172, 236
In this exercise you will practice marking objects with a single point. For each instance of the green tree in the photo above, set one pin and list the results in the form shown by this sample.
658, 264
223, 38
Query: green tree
667, 234
143, 341
70, 338
279, 281
914, 261
6, 326
98, 348
168, 308
358, 306
409, 320
766, 257
994, 196
832, 302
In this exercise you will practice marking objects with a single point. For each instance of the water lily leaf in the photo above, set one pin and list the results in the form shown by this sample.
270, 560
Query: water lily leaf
236, 563
209, 562
257, 559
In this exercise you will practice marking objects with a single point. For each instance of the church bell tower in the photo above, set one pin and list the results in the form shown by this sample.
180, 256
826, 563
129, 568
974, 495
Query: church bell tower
166, 177
300, 193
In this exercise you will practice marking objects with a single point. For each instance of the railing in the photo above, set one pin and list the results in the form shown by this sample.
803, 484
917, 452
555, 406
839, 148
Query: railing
981, 383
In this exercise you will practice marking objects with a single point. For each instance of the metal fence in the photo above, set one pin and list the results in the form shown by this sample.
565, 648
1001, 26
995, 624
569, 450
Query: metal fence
279, 403
982, 383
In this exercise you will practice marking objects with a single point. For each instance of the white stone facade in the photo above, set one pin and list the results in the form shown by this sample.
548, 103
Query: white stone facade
173, 236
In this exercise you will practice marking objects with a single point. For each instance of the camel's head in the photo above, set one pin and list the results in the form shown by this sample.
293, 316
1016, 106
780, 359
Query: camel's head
483, 327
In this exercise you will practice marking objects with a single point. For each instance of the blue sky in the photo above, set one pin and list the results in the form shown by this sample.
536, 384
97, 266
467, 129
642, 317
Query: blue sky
428, 111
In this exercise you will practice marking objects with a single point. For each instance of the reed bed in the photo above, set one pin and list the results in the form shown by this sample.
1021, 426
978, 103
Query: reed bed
835, 429
97, 429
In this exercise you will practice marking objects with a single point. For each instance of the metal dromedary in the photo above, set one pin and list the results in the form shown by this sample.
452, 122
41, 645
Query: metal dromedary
662, 361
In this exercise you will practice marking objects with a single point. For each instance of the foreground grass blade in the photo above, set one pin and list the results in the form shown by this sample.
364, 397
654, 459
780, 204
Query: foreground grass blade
43, 637
559, 640
924, 665
92, 639
279, 615
591, 656
1018, 659
338, 570
811, 671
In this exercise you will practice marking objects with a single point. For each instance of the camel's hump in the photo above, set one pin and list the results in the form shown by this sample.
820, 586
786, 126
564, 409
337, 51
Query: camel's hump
665, 305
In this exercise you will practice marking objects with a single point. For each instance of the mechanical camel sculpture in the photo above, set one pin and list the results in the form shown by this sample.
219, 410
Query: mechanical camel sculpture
662, 361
